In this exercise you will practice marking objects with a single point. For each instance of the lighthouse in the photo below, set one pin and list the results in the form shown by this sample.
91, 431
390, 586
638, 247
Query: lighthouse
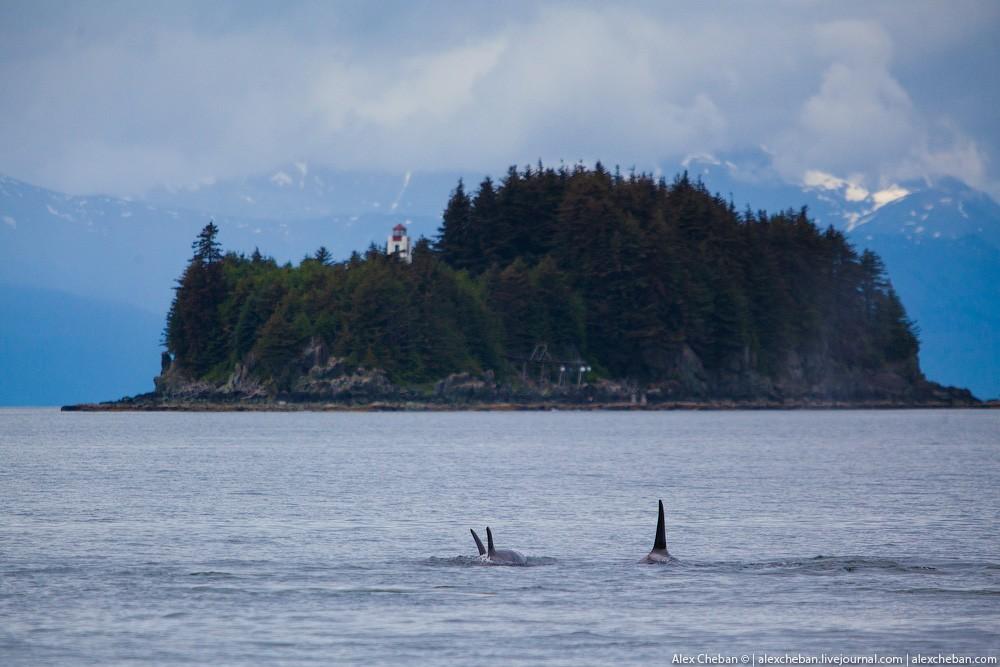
399, 244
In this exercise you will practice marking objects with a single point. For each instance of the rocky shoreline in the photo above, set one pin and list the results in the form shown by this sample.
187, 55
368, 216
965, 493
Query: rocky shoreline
319, 381
410, 406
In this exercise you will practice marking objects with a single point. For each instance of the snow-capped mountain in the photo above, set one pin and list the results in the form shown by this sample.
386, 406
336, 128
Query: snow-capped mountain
941, 246
300, 191
931, 210
750, 180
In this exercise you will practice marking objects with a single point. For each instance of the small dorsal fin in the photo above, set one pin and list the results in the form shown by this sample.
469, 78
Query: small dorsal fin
661, 532
489, 541
479, 543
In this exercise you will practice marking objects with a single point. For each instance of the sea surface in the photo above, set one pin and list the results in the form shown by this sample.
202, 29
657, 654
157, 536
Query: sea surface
302, 538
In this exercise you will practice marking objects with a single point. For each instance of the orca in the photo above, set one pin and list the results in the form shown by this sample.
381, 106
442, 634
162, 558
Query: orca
497, 556
659, 553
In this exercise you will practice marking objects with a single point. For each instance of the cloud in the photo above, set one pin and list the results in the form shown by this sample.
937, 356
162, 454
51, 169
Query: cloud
110, 99
862, 119
860, 115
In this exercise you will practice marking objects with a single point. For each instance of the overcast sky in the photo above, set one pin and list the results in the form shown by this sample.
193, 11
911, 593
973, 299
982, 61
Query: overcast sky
119, 97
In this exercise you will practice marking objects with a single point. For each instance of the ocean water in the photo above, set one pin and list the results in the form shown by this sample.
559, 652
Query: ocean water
261, 539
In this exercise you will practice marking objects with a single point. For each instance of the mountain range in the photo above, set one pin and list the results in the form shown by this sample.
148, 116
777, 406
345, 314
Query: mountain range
92, 275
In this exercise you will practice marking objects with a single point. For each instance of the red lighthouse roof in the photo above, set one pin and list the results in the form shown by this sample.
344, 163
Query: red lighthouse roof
399, 228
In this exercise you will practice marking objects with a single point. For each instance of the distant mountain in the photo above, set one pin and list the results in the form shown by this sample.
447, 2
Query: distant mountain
300, 191
942, 210
941, 246
749, 179
131, 251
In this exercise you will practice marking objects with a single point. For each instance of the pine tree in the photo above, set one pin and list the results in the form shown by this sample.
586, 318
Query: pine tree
206, 248
194, 333
481, 221
898, 335
277, 345
453, 240
512, 298
323, 256
873, 282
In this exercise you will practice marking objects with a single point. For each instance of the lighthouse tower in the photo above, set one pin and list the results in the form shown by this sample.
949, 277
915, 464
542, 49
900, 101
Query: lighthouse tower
399, 244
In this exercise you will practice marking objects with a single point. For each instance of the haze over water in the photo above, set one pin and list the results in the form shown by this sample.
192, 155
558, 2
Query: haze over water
246, 539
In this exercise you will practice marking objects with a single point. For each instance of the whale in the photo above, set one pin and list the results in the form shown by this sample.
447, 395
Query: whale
497, 556
659, 553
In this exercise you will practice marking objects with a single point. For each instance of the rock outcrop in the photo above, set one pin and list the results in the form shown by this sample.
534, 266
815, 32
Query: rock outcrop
318, 378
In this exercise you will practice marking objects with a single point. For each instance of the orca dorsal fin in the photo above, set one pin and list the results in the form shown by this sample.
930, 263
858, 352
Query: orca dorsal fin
479, 543
489, 541
661, 532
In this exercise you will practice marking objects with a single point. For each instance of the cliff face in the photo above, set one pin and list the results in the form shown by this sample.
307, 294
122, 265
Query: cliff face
322, 378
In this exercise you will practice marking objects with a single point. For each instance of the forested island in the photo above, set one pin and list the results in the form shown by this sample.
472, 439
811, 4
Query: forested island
552, 287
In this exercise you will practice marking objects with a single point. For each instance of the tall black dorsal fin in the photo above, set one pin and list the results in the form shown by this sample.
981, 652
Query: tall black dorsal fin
489, 541
479, 543
661, 532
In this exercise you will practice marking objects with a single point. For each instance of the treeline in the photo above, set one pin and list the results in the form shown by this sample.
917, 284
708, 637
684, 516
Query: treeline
416, 321
627, 272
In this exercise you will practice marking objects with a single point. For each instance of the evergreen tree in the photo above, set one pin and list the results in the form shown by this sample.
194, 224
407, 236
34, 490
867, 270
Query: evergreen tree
278, 343
323, 256
454, 240
194, 332
206, 248
512, 298
898, 334
481, 221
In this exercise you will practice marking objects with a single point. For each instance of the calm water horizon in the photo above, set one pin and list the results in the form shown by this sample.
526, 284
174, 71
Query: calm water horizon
343, 538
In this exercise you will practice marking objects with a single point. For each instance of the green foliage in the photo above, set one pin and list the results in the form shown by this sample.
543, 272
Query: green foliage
626, 272
194, 333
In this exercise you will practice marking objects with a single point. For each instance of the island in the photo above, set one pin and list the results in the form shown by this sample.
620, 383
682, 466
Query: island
570, 288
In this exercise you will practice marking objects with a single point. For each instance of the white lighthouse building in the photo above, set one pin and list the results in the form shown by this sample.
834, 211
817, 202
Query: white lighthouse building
399, 244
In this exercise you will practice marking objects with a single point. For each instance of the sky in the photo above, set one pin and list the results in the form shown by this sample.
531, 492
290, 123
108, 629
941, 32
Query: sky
121, 97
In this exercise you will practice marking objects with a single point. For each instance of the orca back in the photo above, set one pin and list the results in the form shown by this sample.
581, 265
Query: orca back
502, 556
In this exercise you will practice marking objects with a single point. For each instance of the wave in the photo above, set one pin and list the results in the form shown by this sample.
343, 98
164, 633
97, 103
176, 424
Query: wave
826, 565
840, 564
478, 561
958, 592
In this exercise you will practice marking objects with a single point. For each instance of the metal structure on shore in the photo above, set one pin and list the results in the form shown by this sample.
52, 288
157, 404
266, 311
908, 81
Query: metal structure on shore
546, 365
